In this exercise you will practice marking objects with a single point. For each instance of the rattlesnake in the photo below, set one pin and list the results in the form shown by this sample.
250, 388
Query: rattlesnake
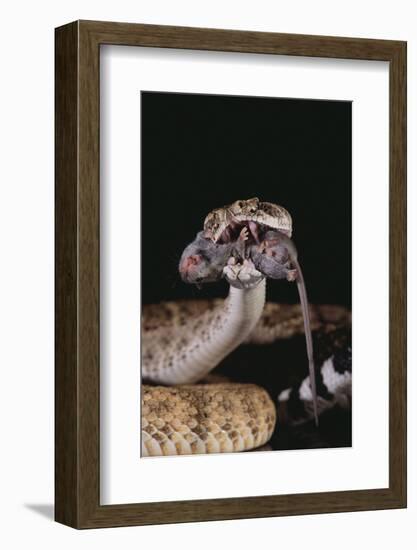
182, 342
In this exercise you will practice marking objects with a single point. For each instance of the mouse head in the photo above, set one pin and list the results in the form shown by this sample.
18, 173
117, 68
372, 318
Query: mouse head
203, 260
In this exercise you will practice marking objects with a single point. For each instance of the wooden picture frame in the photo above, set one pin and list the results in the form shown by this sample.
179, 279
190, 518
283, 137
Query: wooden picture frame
77, 405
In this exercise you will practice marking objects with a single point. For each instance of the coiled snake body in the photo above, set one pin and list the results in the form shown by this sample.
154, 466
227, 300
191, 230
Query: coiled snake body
183, 341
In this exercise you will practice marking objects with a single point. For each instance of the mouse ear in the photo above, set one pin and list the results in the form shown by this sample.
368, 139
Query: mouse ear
307, 330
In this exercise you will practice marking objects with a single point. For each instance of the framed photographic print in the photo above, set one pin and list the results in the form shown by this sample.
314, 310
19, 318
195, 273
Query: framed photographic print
230, 274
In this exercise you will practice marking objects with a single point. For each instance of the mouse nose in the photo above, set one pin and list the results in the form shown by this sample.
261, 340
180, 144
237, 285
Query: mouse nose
189, 262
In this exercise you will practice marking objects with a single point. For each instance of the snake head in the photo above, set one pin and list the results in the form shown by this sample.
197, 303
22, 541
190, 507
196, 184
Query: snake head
235, 244
224, 224
251, 226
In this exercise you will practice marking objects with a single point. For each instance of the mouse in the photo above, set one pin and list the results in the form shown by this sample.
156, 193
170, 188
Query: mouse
276, 257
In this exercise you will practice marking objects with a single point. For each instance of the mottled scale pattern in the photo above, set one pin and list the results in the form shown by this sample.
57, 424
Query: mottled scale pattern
200, 419
212, 418
285, 321
267, 213
170, 328
277, 320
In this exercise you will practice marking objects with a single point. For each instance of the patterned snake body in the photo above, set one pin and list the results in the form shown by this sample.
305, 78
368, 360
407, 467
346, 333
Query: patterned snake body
182, 342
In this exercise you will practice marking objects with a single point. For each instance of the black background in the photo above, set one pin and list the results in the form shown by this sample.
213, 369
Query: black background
201, 152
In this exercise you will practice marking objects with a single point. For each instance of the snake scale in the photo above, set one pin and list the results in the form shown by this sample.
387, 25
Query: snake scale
245, 243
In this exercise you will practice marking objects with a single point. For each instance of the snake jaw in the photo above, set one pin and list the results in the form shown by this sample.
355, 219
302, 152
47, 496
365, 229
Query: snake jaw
242, 275
220, 224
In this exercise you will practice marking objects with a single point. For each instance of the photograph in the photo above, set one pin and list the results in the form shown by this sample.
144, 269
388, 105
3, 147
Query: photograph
230, 274
246, 274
